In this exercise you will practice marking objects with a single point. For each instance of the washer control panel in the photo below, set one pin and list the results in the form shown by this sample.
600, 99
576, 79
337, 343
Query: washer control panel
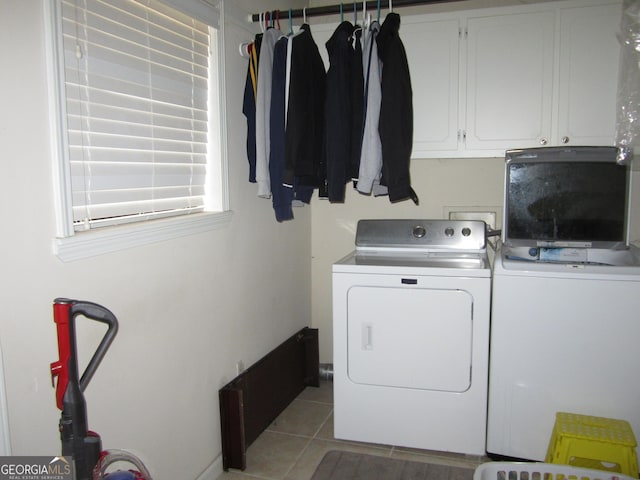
425, 234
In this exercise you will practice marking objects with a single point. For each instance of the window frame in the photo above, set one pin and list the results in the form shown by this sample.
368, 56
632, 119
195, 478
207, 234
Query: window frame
70, 245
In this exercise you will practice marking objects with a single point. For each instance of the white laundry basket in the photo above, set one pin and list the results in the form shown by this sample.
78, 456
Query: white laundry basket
541, 471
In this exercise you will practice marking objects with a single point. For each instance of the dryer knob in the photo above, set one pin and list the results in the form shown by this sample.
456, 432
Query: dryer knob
466, 231
449, 232
419, 231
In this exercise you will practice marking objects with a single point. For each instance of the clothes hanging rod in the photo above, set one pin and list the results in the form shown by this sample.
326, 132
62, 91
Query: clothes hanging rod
346, 8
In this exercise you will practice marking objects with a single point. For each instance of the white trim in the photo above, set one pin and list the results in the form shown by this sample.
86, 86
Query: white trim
57, 122
112, 239
204, 10
221, 72
5, 437
213, 471
71, 246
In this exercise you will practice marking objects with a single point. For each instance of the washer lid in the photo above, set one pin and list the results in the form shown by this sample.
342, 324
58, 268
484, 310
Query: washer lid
426, 235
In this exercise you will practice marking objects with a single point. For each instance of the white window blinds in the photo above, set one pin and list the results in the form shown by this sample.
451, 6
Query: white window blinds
136, 79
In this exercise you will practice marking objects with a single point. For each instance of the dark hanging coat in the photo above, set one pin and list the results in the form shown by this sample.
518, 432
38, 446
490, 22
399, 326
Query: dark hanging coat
281, 196
396, 112
344, 78
305, 116
249, 105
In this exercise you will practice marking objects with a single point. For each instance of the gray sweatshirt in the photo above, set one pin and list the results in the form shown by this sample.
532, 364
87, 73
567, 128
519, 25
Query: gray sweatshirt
371, 154
263, 108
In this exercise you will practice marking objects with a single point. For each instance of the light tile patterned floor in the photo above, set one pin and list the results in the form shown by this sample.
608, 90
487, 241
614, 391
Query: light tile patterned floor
294, 444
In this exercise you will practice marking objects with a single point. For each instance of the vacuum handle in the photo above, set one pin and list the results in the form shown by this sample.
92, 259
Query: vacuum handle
103, 315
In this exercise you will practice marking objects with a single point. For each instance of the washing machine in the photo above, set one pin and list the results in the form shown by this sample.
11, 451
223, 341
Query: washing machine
566, 297
564, 338
411, 311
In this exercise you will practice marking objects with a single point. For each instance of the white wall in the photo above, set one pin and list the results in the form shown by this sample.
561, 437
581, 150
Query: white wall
189, 309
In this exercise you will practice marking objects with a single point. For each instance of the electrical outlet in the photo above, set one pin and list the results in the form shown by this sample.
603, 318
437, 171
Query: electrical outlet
239, 367
488, 214
487, 217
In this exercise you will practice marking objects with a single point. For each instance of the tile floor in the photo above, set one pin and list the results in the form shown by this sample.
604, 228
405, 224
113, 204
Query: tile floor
294, 444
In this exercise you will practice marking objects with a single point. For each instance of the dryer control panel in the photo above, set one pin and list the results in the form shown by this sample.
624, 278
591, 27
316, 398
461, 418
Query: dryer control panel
428, 235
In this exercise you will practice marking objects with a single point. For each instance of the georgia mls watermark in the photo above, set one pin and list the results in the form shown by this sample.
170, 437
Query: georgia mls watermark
36, 468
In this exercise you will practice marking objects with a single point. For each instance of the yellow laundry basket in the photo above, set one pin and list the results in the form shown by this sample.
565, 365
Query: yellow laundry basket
593, 442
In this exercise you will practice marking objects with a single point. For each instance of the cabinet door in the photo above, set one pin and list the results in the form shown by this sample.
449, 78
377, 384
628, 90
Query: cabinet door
432, 52
510, 80
589, 56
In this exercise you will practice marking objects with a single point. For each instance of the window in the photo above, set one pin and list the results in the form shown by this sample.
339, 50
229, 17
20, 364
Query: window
138, 114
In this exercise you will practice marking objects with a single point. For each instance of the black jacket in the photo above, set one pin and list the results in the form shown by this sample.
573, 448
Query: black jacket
396, 112
305, 116
339, 112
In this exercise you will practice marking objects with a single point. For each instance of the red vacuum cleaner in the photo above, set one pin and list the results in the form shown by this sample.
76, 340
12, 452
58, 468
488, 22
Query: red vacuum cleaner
78, 442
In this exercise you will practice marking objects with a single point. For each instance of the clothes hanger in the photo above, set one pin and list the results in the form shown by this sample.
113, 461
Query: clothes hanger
358, 28
366, 21
272, 19
290, 23
304, 15
378, 11
277, 22
291, 33
245, 49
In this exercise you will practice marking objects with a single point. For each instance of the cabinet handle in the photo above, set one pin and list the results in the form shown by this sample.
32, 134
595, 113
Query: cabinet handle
564, 139
543, 141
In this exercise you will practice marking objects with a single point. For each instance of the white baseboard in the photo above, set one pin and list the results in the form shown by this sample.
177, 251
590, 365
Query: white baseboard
213, 471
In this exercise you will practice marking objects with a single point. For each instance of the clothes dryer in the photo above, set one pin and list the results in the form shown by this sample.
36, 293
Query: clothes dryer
411, 335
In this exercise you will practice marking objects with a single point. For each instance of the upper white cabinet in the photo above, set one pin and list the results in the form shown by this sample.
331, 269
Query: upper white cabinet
433, 51
537, 75
588, 68
509, 80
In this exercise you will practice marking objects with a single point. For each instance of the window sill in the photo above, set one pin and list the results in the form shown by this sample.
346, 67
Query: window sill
113, 239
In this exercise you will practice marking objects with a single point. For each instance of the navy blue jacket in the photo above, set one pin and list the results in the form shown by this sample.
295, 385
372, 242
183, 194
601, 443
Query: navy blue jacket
281, 195
249, 107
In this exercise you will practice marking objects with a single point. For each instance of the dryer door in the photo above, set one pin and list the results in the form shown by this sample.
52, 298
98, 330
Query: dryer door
410, 337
